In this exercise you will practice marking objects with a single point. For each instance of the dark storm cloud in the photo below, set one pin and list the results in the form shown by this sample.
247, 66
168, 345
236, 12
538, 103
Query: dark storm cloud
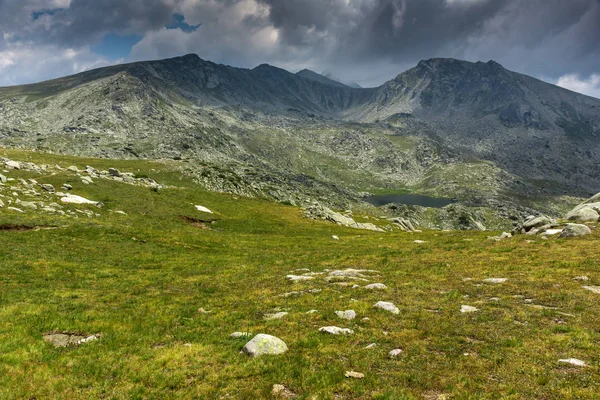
363, 40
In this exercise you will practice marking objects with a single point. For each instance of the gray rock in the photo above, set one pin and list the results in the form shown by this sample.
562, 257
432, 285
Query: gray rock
73, 168
114, 172
376, 286
238, 335
573, 361
536, 222
299, 278
47, 187
594, 289
468, 309
387, 306
583, 214
278, 315
3, 179
394, 353
495, 280
575, 230
334, 330
66, 186
263, 344
348, 314
12, 164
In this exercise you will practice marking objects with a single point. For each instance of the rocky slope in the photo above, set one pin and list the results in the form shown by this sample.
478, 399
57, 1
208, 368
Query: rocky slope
504, 144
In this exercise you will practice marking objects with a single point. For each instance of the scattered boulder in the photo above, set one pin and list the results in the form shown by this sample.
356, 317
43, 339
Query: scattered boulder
47, 187
3, 179
334, 330
536, 222
282, 392
65, 339
495, 280
468, 309
573, 361
73, 199
12, 164
355, 375
299, 278
238, 335
263, 344
114, 172
387, 306
73, 168
66, 186
278, 315
348, 314
203, 209
376, 286
595, 289
335, 237
575, 230
394, 353
583, 214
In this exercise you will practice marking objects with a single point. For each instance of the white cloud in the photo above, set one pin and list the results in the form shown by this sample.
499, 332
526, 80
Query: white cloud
25, 62
589, 86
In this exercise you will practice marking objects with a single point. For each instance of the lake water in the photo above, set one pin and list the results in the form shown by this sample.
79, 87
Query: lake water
409, 199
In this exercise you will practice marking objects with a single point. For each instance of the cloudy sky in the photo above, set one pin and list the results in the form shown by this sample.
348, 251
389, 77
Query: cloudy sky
364, 41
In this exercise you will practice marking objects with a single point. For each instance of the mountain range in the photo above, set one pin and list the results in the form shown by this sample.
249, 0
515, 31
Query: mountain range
492, 138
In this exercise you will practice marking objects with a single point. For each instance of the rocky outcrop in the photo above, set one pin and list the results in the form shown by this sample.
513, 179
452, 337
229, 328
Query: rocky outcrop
587, 211
575, 230
317, 211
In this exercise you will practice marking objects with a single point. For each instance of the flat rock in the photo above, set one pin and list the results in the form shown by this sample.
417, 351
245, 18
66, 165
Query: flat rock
371, 346
495, 280
278, 315
595, 289
263, 344
282, 392
73, 199
348, 314
334, 330
573, 361
376, 286
394, 353
355, 375
581, 278
468, 309
238, 335
419, 241
387, 306
12, 164
203, 209
68, 339
298, 278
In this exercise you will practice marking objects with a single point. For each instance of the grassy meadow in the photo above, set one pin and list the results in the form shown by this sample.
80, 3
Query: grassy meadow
140, 279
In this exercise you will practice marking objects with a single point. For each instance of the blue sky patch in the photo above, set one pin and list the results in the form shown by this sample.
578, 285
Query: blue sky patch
115, 46
178, 22
37, 14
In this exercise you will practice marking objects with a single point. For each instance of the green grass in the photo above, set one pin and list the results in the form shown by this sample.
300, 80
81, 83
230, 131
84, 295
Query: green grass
140, 279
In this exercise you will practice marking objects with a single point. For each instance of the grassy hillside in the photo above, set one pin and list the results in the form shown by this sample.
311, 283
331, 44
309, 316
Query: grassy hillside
140, 280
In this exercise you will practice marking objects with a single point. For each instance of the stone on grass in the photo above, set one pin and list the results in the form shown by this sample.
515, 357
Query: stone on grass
595, 289
394, 353
282, 392
468, 309
13, 165
66, 186
73, 168
3, 179
335, 237
47, 187
73, 199
64, 339
573, 361
312, 311
278, 315
203, 209
334, 330
387, 306
355, 375
495, 280
348, 314
419, 241
15, 209
238, 335
575, 230
114, 172
581, 278
376, 286
552, 232
263, 344
371, 346
298, 278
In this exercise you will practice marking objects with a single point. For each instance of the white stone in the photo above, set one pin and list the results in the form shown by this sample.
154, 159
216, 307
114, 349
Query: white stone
394, 353
371, 346
384, 305
348, 314
237, 335
573, 361
376, 286
419, 241
278, 315
334, 330
468, 309
297, 278
73, 199
495, 280
335, 237
203, 209
13, 164
595, 289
